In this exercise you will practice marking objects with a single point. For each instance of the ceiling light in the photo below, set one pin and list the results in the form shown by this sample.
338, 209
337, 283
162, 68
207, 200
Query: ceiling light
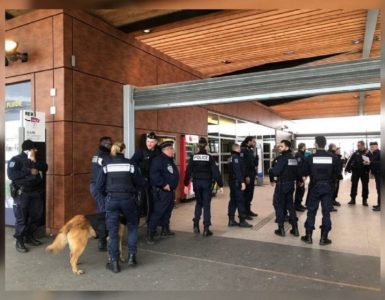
147, 30
355, 42
226, 61
289, 52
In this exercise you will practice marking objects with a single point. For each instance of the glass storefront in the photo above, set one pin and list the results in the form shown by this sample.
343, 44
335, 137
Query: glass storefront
223, 131
17, 98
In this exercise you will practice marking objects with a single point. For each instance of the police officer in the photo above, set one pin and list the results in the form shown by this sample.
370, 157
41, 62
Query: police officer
143, 159
101, 157
359, 170
285, 168
120, 180
250, 162
300, 184
322, 169
164, 178
376, 171
332, 150
203, 169
237, 186
339, 176
26, 189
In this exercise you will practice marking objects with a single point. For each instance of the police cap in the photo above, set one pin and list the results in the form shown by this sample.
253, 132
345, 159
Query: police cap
151, 135
202, 141
373, 143
166, 144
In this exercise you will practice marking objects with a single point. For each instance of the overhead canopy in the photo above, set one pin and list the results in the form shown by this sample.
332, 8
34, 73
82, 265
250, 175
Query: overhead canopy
357, 75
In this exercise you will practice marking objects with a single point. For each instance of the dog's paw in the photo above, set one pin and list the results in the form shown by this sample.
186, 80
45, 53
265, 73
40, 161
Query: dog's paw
79, 272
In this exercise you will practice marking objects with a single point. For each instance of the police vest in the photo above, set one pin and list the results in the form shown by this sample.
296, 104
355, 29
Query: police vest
201, 166
119, 177
321, 168
144, 165
290, 172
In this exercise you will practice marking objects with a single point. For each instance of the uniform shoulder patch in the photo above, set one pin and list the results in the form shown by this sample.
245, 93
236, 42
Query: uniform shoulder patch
12, 164
170, 169
236, 160
292, 162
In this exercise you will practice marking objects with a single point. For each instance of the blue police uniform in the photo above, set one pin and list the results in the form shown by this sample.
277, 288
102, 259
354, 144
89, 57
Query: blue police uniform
300, 186
163, 171
119, 179
359, 171
250, 162
375, 162
203, 169
285, 168
143, 159
28, 204
322, 169
237, 200
98, 220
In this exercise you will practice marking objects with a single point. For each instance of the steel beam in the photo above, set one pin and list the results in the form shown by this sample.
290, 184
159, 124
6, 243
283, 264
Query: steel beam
129, 120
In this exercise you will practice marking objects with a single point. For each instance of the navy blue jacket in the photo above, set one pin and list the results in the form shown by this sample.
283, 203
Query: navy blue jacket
236, 170
355, 162
100, 159
300, 157
321, 166
143, 159
250, 161
375, 162
203, 166
19, 171
163, 171
285, 167
119, 175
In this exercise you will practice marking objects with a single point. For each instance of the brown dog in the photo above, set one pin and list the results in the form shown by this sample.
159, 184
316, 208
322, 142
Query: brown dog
76, 233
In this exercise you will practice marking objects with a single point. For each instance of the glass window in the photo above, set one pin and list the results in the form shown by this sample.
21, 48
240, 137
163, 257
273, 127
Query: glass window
213, 124
227, 127
17, 98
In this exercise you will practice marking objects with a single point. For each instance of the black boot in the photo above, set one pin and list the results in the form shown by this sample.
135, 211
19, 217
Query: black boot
252, 214
113, 266
336, 203
102, 244
207, 231
352, 201
243, 223
132, 260
168, 231
196, 226
20, 247
30, 240
232, 222
308, 237
280, 231
150, 238
376, 208
294, 230
324, 238
365, 202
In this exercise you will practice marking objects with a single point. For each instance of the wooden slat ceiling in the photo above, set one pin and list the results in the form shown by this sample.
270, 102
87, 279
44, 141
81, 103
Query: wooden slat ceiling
248, 38
346, 104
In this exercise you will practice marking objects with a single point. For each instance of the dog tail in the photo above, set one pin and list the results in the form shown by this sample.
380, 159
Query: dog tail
58, 244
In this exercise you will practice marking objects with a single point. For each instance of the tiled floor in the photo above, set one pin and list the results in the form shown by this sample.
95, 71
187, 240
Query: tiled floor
355, 229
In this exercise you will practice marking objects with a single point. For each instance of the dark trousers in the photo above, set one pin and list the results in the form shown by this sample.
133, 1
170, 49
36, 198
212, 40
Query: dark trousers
163, 206
98, 220
320, 192
28, 210
336, 189
377, 177
249, 193
237, 200
202, 190
299, 193
356, 176
283, 202
146, 202
115, 206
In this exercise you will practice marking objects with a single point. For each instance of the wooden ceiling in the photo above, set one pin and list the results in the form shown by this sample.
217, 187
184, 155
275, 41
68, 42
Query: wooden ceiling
233, 40
228, 41
340, 105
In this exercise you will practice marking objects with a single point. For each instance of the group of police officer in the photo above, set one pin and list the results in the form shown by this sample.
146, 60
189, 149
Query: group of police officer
126, 189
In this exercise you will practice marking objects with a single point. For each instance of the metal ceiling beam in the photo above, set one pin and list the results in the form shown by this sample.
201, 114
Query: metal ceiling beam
370, 29
357, 75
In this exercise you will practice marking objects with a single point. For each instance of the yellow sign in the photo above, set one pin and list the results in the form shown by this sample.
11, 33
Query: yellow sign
13, 104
